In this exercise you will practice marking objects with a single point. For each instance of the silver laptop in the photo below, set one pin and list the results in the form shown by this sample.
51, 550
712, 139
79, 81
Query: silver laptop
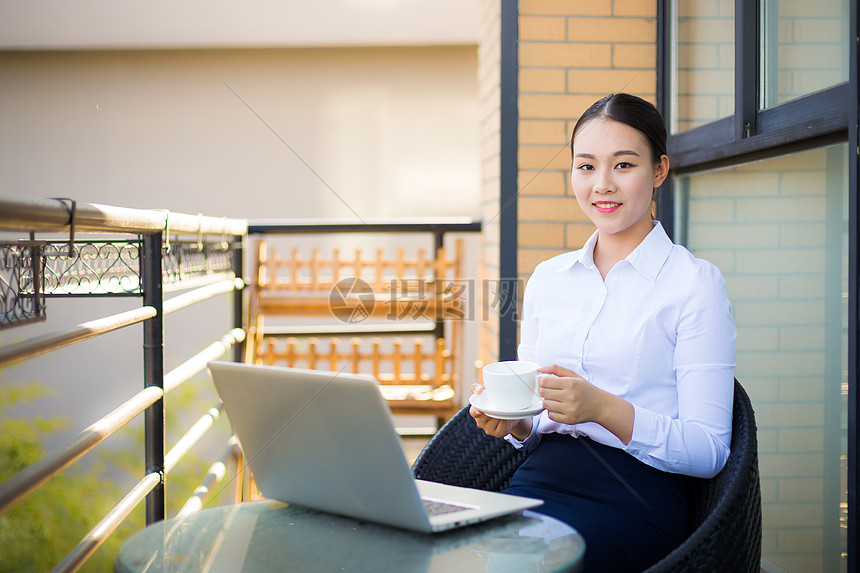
326, 440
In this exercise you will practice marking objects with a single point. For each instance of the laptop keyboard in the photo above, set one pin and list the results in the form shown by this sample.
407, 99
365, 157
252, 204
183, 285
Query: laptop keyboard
439, 508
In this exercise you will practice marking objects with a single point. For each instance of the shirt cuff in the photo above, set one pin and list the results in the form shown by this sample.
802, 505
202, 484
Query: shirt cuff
530, 442
644, 433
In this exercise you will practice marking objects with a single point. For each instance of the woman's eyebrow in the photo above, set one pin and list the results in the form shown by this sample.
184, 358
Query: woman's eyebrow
616, 154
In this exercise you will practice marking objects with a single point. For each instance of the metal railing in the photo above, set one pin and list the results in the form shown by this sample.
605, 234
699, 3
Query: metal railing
158, 252
166, 251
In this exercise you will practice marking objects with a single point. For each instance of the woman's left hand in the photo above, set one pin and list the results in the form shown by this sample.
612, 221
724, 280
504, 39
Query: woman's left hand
568, 397
571, 399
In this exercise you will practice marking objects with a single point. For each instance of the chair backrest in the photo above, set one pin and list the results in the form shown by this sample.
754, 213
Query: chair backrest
461, 454
725, 511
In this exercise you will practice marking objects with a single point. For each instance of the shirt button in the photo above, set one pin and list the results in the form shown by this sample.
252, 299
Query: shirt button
634, 452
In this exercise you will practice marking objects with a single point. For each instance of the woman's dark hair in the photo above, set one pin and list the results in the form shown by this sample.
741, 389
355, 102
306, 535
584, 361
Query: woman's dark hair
632, 111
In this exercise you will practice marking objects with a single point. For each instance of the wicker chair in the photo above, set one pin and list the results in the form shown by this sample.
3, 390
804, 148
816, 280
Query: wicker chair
725, 511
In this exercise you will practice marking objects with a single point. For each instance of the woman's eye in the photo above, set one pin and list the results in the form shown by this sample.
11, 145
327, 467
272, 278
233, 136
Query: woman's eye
585, 167
624, 165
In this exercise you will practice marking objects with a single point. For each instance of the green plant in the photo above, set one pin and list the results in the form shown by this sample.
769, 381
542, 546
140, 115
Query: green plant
39, 531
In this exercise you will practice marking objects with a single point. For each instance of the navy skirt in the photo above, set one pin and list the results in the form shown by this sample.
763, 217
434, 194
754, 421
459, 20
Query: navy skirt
630, 514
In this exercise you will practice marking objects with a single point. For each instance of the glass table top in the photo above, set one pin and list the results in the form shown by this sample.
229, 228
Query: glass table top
273, 536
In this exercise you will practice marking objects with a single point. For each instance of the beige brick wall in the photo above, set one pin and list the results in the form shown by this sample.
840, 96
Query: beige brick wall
570, 55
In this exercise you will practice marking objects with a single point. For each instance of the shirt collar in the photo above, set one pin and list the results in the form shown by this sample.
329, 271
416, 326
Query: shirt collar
647, 258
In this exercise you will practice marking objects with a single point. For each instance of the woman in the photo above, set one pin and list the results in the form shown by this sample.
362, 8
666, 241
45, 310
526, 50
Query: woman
638, 337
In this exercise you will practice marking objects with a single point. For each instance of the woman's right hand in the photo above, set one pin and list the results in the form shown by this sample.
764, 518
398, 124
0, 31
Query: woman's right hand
499, 428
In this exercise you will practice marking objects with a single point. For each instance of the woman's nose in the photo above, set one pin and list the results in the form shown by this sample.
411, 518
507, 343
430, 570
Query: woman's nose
604, 182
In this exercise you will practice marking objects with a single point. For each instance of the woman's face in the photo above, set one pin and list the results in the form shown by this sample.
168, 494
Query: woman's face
613, 176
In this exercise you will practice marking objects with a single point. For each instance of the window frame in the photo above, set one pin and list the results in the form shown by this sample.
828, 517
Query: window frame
828, 116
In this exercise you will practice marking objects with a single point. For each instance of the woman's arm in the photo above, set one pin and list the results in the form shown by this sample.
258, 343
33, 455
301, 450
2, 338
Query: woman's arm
696, 441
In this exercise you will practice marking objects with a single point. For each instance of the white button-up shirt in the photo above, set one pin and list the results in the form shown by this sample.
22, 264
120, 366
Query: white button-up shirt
658, 332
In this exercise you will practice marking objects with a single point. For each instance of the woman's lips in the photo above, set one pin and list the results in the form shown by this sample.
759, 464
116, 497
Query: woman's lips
606, 206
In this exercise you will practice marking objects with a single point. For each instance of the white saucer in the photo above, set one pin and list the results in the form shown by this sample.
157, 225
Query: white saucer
480, 402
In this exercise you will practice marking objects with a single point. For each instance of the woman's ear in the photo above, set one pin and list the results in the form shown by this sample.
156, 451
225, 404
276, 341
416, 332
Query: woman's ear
661, 170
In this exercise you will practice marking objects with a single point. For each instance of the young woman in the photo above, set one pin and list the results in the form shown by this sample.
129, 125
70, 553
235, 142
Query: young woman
639, 340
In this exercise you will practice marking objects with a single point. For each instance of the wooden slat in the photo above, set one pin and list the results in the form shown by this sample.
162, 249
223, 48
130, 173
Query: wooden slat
388, 367
401, 267
412, 307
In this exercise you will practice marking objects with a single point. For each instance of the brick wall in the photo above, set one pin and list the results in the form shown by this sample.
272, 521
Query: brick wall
571, 54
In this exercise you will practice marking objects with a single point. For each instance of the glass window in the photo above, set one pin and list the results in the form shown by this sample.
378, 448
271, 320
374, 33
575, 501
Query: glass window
804, 48
703, 62
778, 230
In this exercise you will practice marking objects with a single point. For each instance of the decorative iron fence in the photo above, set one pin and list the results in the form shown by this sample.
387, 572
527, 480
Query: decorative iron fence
204, 255
21, 283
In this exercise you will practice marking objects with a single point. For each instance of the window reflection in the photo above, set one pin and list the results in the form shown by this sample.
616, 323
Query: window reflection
804, 48
703, 62
778, 231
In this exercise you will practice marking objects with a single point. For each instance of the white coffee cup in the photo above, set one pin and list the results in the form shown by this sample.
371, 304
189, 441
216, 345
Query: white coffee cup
511, 385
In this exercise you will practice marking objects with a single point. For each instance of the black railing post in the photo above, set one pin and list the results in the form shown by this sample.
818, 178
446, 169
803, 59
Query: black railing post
238, 262
439, 243
666, 195
508, 174
153, 372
